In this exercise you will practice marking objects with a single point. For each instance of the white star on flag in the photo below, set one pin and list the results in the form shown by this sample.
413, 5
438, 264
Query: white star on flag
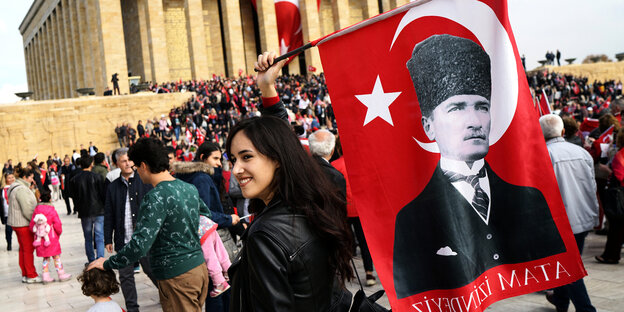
378, 103
283, 47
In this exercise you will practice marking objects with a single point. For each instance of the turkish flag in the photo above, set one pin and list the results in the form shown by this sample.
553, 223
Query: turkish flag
288, 25
199, 136
600, 147
544, 105
589, 124
439, 242
189, 136
311, 68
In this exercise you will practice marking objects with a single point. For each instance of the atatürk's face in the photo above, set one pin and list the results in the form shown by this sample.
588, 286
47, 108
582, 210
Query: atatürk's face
461, 127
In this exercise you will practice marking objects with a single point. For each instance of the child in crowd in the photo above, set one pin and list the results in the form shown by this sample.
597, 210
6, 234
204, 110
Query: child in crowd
216, 256
53, 249
100, 285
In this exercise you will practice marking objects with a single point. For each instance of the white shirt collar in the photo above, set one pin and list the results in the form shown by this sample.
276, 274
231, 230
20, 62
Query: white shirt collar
461, 167
463, 187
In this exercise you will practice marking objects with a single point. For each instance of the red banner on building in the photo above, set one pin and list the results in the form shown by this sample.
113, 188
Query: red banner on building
446, 160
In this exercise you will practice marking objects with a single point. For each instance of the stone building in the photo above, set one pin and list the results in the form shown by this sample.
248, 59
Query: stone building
71, 44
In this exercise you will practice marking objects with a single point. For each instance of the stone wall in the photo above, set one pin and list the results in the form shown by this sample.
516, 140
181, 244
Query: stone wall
594, 72
58, 126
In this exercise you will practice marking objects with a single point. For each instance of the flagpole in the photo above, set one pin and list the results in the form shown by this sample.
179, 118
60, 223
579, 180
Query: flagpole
291, 53
349, 29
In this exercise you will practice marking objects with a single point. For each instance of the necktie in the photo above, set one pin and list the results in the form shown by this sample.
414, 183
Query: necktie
480, 200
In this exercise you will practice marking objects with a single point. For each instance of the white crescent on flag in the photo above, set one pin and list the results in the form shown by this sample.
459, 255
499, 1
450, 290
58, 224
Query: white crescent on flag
495, 41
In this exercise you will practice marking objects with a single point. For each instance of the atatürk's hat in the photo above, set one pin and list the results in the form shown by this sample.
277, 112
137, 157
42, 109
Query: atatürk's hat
442, 66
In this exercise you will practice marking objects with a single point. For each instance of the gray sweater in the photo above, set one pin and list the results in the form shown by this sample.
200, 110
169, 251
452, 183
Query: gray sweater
22, 202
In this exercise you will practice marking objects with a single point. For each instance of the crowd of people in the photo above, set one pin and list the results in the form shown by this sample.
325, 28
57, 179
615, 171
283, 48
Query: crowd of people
237, 169
110, 194
575, 96
220, 103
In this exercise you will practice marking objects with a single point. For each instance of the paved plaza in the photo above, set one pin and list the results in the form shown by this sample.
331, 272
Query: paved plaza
605, 283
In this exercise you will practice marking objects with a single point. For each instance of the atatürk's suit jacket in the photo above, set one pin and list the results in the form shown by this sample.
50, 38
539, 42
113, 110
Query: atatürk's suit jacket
520, 229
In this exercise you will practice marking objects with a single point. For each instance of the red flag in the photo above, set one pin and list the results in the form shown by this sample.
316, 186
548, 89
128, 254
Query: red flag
189, 136
544, 105
311, 68
436, 246
288, 25
589, 124
200, 136
600, 147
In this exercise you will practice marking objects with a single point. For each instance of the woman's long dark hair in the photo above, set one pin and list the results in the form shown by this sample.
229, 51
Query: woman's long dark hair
301, 184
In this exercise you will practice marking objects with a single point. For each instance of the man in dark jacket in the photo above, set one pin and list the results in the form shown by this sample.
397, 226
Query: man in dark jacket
123, 199
322, 143
87, 189
67, 173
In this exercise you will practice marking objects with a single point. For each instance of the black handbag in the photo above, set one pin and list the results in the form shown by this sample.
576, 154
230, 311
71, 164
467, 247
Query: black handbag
342, 299
361, 303
614, 203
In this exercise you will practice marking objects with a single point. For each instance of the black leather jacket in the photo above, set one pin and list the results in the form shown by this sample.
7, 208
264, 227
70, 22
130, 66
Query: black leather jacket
283, 265
87, 189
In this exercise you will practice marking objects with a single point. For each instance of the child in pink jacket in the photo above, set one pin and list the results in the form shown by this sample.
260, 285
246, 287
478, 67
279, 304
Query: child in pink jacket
54, 248
216, 256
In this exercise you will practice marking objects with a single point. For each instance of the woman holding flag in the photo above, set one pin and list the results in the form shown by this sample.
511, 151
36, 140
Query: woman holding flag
299, 241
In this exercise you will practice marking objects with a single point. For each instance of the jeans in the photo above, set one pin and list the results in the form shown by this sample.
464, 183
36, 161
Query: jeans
176, 130
93, 226
575, 291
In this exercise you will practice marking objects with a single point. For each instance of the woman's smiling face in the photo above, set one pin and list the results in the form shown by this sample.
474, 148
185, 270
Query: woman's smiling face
254, 171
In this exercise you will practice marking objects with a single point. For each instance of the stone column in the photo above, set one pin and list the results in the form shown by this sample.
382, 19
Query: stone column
60, 54
54, 72
249, 35
385, 6
47, 60
311, 31
267, 24
28, 63
85, 64
340, 8
233, 31
70, 58
370, 8
144, 34
113, 45
212, 29
58, 65
398, 3
157, 40
38, 71
196, 39
94, 42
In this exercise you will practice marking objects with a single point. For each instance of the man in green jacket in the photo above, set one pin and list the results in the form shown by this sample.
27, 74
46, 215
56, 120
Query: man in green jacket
166, 227
99, 167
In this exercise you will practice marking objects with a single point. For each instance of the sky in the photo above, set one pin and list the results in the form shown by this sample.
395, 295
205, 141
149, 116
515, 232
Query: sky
576, 27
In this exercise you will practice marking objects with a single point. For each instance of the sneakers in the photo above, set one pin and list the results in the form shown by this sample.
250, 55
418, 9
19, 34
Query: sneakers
32, 280
23, 279
370, 279
137, 269
219, 289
